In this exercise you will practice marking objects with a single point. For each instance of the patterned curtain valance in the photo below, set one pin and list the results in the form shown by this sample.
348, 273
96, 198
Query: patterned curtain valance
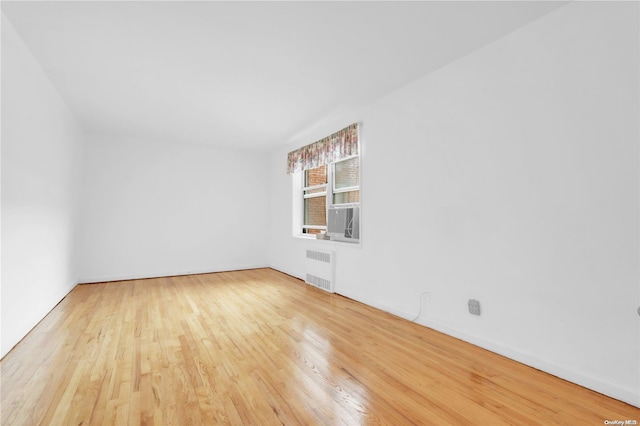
339, 145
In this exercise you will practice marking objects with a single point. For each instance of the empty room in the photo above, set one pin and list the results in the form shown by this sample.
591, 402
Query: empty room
331, 213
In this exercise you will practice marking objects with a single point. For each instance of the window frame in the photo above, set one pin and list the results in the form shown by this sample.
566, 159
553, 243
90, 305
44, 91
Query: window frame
306, 196
330, 191
331, 177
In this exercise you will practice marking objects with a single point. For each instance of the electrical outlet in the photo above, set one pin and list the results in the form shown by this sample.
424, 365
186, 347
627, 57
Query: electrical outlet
474, 307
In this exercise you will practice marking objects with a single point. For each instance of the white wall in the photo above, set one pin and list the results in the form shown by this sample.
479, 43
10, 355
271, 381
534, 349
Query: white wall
41, 154
516, 169
157, 209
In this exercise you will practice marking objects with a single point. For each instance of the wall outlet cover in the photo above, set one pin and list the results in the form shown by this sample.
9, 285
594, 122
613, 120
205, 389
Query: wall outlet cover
474, 307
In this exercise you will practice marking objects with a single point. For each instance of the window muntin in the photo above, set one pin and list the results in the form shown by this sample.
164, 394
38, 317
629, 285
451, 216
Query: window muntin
316, 190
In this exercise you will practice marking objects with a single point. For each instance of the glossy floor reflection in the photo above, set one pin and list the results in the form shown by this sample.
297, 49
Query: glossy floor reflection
261, 348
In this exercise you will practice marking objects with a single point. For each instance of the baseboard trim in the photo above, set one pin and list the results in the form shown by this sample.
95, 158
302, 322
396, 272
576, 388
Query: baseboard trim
58, 301
286, 271
148, 275
621, 393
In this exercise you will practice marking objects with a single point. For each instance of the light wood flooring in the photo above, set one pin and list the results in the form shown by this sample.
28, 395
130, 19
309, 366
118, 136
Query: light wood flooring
261, 348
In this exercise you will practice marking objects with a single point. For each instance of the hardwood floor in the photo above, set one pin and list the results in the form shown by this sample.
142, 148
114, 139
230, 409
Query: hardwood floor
261, 348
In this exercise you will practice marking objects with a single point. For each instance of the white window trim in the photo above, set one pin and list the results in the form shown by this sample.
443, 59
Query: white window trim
311, 188
346, 189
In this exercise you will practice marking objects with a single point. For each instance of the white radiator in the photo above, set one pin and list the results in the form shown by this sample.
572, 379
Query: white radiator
320, 269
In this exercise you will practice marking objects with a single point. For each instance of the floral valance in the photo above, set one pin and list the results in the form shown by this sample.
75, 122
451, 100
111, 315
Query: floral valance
339, 145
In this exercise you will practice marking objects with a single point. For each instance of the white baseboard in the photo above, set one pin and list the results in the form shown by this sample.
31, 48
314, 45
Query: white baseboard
159, 274
286, 271
622, 393
59, 297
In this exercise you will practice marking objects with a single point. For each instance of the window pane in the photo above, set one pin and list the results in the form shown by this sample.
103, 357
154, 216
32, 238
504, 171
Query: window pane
346, 173
346, 197
315, 211
316, 176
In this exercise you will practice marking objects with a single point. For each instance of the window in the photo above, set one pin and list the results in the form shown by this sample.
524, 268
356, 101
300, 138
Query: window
334, 183
314, 193
329, 187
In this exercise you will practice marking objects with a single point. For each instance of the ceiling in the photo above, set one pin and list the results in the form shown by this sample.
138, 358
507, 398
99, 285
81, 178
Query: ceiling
246, 75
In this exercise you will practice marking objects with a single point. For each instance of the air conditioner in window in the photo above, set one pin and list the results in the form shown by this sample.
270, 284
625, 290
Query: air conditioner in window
343, 223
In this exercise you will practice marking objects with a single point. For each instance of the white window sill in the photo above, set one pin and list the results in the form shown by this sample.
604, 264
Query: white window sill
329, 242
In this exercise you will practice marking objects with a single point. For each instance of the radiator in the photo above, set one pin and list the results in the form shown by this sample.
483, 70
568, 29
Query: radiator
320, 269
